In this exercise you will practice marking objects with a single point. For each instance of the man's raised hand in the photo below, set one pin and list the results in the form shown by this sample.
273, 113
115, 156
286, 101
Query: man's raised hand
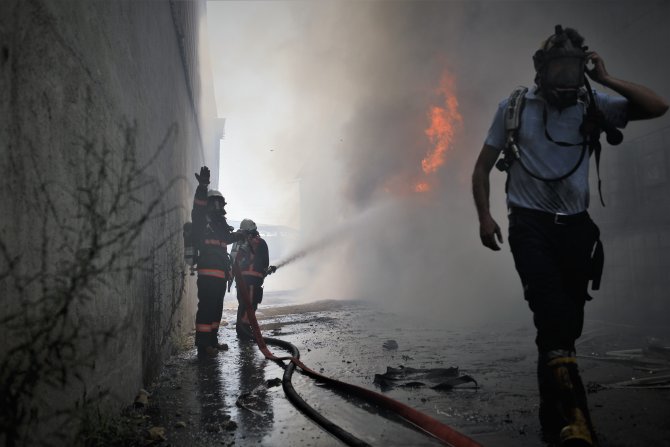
203, 178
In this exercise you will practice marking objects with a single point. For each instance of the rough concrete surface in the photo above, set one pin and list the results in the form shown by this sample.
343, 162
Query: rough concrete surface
195, 400
100, 129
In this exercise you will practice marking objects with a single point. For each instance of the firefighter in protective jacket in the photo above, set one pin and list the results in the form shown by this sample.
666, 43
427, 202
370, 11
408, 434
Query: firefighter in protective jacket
252, 258
211, 236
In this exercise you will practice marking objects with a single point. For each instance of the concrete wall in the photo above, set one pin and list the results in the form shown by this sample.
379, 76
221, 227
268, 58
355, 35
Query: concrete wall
635, 223
636, 230
105, 116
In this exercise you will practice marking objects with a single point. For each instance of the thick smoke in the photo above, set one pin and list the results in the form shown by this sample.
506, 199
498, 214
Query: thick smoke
361, 77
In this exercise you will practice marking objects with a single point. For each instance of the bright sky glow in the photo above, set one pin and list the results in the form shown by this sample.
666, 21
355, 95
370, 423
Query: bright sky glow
258, 174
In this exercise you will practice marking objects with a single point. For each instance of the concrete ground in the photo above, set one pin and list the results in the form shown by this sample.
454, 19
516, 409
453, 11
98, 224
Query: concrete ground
235, 399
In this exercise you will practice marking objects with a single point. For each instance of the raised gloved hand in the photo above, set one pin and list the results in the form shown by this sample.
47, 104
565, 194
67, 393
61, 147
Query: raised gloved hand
203, 178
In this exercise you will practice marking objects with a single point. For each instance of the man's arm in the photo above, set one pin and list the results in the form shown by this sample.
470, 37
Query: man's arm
200, 202
489, 230
642, 102
262, 259
198, 213
223, 231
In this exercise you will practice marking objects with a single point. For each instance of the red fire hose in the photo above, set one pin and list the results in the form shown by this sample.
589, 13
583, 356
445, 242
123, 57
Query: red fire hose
427, 424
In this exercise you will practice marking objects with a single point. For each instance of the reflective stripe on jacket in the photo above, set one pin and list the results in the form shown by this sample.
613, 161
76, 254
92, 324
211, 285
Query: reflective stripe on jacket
211, 237
253, 258
213, 272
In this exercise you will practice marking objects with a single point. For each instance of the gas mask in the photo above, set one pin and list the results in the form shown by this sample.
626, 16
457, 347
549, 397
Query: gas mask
562, 81
215, 208
560, 65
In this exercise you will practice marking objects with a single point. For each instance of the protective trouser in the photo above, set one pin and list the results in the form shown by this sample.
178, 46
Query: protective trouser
552, 255
255, 290
211, 291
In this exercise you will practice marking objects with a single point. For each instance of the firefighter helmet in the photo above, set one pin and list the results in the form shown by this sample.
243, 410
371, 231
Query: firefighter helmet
215, 201
214, 193
248, 225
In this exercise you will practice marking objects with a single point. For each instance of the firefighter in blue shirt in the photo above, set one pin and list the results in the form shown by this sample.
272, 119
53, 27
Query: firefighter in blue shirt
545, 135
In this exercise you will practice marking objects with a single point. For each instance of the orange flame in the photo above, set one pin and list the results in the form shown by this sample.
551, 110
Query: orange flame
422, 187
443, 122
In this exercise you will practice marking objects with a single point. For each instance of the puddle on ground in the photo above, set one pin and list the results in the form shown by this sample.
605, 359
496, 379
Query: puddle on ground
234, 400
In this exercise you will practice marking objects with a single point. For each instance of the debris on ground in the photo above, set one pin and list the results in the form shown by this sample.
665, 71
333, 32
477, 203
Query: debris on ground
502, 413
156, 434
652, 382
650, 366
390, 345
656, 348
254, 401
655, 354
229, 425
273, 382
435, 378
142, 399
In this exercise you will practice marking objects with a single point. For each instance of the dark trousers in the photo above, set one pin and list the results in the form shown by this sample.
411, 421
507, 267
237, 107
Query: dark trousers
553, 258
554, 263
211, 291
254, 288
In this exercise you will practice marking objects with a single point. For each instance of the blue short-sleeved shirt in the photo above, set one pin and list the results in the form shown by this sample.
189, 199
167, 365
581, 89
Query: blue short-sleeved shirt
546, 158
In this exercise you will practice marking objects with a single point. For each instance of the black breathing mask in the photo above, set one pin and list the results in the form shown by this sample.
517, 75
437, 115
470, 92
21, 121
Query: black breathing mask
215, 208
560, 67
563, 81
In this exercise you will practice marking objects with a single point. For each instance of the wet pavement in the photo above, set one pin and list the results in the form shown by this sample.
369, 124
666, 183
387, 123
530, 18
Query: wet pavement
235, 399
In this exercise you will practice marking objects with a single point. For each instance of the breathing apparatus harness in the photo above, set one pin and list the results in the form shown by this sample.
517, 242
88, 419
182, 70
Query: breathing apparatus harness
562, 92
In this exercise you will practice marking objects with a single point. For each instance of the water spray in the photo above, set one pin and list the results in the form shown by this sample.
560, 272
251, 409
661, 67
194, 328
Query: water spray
348, 228
311, 248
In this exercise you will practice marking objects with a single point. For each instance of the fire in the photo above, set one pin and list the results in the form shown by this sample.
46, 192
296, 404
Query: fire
421, 187
444, 120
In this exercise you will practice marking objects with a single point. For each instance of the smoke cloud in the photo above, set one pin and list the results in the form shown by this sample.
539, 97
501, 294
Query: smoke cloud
355, 81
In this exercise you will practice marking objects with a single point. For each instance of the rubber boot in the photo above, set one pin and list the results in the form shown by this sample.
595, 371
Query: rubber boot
242, 326
203, 344
580, 395
571, 398
244, 331
551, 421
207, 352
215, 342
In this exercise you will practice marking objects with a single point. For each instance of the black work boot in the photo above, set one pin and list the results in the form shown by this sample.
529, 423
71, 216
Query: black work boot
215, 342
243, 328
571, 398
207, 352
244, 331
203, 344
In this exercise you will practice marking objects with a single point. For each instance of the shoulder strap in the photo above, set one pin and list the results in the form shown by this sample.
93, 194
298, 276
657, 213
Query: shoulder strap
512, 117
513, 111
593, 113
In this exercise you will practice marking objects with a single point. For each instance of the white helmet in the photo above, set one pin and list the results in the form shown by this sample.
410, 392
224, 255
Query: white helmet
248, 225
215, 201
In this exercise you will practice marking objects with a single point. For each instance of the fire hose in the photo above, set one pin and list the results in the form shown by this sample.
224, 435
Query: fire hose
423, 422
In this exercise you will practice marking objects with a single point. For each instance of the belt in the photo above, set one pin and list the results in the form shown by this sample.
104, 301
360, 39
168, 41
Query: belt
545, 216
